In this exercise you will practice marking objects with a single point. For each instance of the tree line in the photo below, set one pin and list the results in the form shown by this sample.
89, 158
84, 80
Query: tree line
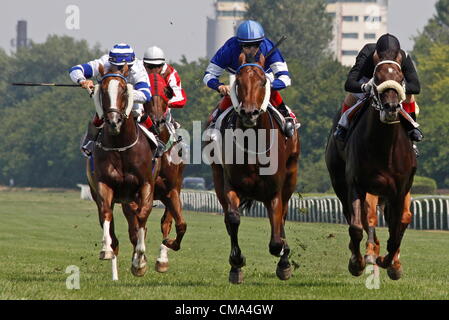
41, 128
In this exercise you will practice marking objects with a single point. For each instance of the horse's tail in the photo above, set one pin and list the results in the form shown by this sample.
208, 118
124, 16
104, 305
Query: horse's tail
246, 205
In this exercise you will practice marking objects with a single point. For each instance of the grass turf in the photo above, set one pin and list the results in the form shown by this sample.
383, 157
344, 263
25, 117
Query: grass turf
42, 233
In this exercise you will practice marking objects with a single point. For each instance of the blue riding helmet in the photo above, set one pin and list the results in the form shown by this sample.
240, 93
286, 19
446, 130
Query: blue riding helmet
250, 31
120, 54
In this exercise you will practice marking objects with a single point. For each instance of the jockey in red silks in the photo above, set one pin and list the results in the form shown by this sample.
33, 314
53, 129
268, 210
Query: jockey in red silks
118, 56
250, 36
154, 61
360, 82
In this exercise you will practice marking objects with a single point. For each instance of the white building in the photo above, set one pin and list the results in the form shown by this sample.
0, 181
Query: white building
356, 23
228, 15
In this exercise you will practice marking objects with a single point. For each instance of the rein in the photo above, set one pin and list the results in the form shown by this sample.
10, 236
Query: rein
121, 149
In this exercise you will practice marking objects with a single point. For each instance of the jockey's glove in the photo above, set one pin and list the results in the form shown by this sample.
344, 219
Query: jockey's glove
366, 87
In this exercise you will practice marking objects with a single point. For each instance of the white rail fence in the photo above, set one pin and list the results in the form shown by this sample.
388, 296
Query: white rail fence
429, 212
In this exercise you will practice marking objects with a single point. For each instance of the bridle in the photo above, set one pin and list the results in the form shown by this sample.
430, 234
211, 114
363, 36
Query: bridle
125, 114
234, 99
377, 90
97, 97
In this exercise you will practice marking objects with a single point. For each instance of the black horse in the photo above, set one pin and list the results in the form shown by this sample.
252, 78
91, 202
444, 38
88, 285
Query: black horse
375, 166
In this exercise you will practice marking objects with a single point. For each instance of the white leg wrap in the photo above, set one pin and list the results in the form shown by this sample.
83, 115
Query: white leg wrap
140, 247
163, 254
107, 240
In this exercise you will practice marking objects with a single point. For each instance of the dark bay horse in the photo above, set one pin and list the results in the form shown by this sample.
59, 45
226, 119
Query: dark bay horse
121, 171
236, 185
169, 181
376, 166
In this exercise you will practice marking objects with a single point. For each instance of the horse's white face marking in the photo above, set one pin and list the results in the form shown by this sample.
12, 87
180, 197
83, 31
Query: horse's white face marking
390, 70
113, 92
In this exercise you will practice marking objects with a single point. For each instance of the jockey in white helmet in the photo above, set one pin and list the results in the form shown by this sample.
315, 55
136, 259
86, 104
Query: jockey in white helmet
154, 60
118, 56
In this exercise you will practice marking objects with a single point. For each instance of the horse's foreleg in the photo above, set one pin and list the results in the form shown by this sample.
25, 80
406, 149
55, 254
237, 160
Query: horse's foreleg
173, 203
284, 269
275, 214
166, 223
232, 221
105, 215
110, 244
356, 262
369, 219
139, 262
400, 217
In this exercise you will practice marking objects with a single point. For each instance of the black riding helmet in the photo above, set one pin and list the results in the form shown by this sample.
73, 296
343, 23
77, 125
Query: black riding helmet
388, 46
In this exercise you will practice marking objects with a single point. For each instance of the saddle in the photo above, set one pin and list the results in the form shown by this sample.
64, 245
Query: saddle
228, 119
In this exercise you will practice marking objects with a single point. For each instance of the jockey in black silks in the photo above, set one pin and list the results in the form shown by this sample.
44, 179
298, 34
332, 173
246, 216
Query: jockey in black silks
360, 82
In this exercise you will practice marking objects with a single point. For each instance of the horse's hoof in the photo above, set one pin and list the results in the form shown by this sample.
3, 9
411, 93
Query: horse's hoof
107, 255
355, 268
139, 272
284, 273
236, 276
370, 259
394, 273
161, 266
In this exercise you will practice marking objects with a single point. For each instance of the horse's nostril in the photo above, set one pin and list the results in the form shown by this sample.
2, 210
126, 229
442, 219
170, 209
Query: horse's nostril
242, 112
256, 112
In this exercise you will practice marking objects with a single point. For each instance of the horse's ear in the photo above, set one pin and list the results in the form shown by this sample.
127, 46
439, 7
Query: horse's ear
398, 58
242, 58
125, 70
101, 69
262, 60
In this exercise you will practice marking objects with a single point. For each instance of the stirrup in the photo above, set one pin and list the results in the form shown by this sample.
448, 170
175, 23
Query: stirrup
289, 127
88, 148
340, 133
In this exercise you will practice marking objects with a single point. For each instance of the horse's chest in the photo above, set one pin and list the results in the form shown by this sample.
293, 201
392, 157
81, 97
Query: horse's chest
250, 183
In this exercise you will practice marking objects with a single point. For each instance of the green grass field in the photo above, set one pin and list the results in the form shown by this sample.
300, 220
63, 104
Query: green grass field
41, 233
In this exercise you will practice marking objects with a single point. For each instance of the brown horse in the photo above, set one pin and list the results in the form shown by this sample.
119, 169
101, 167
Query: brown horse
121, 171
169, 181
376, 166
236, 185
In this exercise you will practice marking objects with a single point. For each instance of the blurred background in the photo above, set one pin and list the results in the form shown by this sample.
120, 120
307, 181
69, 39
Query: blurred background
41, 128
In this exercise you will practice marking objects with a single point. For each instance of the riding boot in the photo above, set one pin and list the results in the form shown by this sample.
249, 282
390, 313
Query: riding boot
289, 126
87, 146
146, 121
415, 134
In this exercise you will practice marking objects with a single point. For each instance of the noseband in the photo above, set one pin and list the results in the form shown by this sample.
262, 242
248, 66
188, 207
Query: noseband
389, 84
235, 101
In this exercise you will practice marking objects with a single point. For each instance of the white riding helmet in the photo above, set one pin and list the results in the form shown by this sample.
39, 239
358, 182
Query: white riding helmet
154, 55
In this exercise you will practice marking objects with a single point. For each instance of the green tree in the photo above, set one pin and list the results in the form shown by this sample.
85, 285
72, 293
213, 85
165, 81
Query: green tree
436, 30
305, 23
41, 127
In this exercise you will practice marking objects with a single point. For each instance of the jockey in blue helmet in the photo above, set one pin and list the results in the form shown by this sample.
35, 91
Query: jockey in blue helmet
118, 56
250, 38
